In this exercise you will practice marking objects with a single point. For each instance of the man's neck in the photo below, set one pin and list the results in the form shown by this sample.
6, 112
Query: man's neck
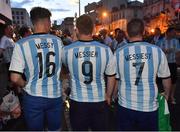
137, 38
40, 29
85, 37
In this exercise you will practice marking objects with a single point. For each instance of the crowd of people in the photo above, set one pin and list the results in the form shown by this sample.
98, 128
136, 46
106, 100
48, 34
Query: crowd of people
41, 68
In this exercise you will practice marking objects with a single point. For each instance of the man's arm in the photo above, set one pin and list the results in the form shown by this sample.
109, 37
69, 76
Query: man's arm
167, 87
115, 91
110, 87
17, 79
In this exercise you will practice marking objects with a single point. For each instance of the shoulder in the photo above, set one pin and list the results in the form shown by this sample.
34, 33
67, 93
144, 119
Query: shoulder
78, 44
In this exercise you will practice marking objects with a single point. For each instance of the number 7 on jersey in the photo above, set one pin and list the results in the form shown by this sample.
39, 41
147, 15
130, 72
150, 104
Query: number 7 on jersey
140, 67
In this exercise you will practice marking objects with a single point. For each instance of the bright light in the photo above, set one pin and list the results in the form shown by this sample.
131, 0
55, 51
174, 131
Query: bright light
152, 30
111, 33
104, 14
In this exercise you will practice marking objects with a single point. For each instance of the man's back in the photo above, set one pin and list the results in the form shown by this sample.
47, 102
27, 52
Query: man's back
172, 45
87, 63
40, 55
138, 65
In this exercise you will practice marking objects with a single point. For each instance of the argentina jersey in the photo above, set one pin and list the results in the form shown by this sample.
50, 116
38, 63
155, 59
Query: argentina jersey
39, 58
138, 64
173, 46
87, 62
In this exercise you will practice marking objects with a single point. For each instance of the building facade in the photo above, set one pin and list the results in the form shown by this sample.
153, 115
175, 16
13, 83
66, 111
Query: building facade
5, 12
158, 13
112, 14
21, 17
120, 17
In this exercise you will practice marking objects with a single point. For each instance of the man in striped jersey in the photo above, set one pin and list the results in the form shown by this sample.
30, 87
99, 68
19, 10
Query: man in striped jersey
88, 61
138, 64
39, 58
170, 46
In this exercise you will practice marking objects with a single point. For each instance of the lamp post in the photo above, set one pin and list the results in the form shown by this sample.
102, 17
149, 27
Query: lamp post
79, 8
104, 16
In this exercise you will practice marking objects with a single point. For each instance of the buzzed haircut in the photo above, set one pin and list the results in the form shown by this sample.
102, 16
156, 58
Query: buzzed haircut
85, 24
38, 13
135, 27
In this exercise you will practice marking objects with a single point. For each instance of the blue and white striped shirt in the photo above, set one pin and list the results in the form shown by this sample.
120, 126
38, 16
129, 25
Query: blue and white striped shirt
87, 62
39, 58
173, 46
138, 64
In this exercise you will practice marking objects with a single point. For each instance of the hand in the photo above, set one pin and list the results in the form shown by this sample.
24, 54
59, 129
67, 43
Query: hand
108, 100
165, 95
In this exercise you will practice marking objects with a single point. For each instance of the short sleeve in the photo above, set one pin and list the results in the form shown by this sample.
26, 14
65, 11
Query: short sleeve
64, 57
117, 71
17, 61
111, 65
163, 70
3, 43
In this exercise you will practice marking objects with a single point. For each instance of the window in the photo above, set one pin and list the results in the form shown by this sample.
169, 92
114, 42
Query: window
22, 23
17, 22
17, 13
22, 17
21, 13
13, 17
17, 17
7, 2
13, 12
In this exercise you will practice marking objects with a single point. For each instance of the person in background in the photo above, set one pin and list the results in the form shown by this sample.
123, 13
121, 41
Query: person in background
38, 56
7, 44
67, 37
138, 64
119, 39
157, 37
105, 37
25, 31
87, 61
170, 46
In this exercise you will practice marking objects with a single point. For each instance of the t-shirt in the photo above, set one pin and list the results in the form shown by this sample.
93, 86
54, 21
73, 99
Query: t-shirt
87, 62
7, 44
39, 58
138, 64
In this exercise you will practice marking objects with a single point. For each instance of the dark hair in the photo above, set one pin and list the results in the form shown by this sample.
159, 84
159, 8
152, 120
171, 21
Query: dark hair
157, 29
37, 13
85, 24
170, 29
135, 27
66, 32
117, 30
2, 28
23, 30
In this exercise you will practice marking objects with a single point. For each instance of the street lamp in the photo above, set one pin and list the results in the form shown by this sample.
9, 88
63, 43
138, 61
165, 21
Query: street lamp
104, 14
105, 19
79, 8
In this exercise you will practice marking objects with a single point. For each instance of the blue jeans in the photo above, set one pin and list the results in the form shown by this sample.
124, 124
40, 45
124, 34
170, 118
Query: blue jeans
131, 120
41, 113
